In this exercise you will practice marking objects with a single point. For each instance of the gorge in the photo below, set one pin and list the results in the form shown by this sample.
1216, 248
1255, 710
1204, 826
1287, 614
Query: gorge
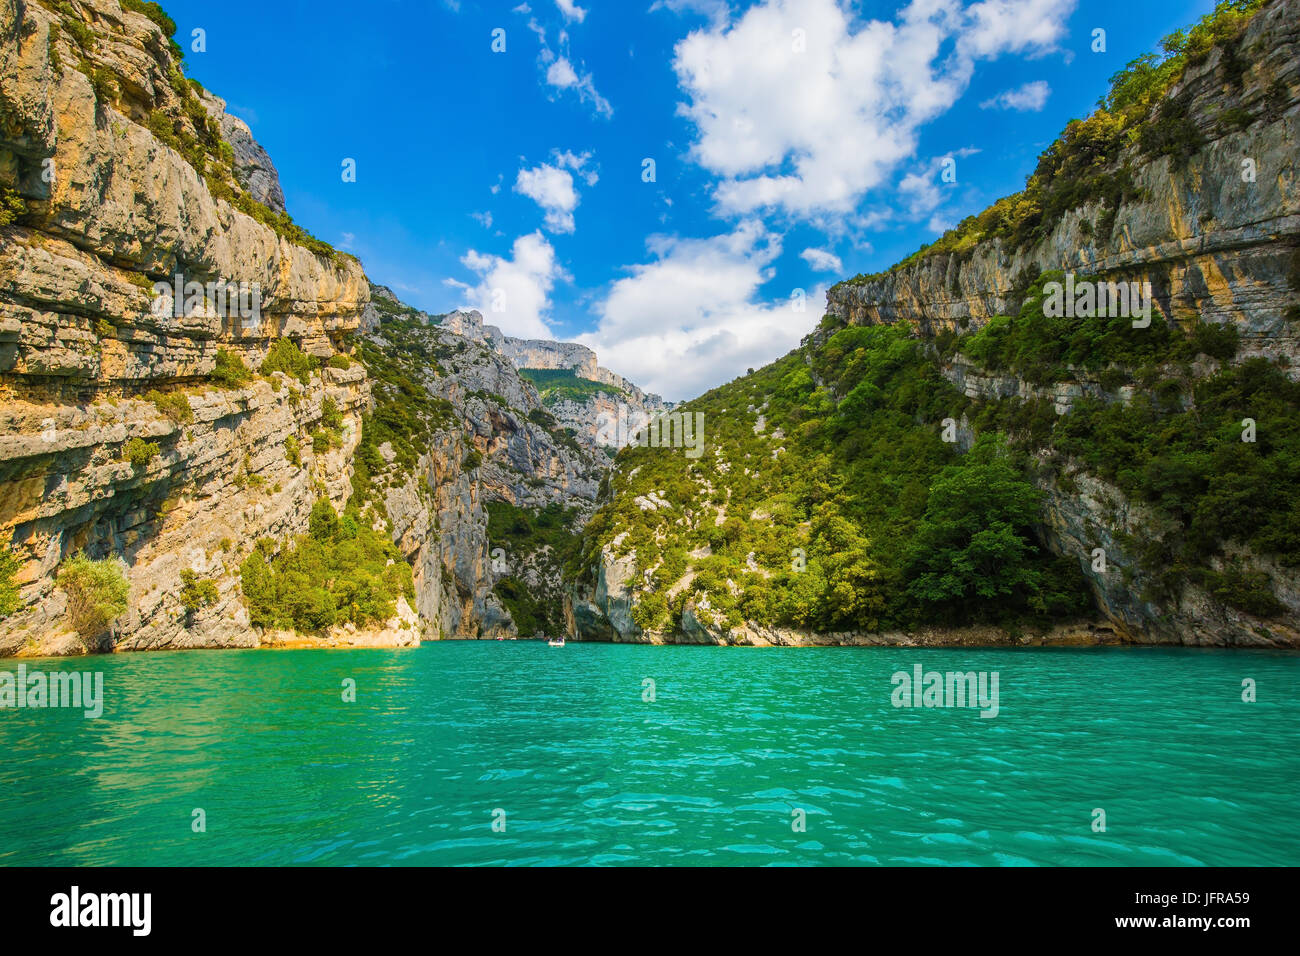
352, 471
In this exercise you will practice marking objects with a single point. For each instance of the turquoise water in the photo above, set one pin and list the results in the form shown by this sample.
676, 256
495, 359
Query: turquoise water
708, 773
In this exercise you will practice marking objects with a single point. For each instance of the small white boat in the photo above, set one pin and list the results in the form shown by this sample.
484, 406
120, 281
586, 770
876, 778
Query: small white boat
556, 642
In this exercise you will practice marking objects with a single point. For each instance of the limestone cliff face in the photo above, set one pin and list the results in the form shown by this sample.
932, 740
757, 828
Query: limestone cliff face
596, 419
100, 139
1218, 238
219, 484
1215, 235
497, 444
113, 209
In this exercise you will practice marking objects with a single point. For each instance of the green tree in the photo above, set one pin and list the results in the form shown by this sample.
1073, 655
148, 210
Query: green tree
972, 550
97, 593
9, 601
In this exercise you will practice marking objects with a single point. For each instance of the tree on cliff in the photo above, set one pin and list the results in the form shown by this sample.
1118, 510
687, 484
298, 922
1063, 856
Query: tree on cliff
97, 593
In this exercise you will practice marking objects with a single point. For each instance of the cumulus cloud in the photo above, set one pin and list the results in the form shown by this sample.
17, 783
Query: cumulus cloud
571, 10
514, 293
821, 260
551, 187
1031, 97
692, 317
800, 107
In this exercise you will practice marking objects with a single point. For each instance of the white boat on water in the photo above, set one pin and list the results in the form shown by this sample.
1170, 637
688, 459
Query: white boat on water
556, 642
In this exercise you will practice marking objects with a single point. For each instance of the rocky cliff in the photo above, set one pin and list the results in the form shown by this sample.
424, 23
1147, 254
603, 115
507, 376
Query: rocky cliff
597, 415
148, 272
490, 442
118, 176
1215, 230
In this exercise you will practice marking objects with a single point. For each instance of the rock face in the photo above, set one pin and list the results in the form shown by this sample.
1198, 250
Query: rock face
112, 208
252, 164
1214, 232
219, 483
598, 418
1217, 234
497, 443
129, 175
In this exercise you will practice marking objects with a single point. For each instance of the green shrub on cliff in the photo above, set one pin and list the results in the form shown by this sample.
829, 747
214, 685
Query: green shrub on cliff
140, 452
285, 356
196, 593
9, 601
175, 405
12, 206
341, 571
96, 591
230, 370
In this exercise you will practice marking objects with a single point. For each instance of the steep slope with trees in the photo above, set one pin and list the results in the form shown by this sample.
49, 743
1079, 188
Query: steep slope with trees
945, 451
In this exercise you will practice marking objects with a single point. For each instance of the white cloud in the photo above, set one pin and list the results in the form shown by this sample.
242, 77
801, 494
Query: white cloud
571, 10
691, 318
562, 75
717, 9
821, 260
579, 163
1031, 97
920, 190
552, 189
560, 72
484, 218
809, 132
514, 294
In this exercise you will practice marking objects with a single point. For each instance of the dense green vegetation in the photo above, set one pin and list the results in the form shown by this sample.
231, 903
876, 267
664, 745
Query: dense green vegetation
9, 601
96, 591
1083, 164
196, 592
546, 540
403, 414
140, 452
341, 571
835, 521
1044, 349
563, 384
12, 206
1183, 453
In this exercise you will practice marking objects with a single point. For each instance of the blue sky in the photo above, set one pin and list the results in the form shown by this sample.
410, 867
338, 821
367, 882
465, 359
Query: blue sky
795, 142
